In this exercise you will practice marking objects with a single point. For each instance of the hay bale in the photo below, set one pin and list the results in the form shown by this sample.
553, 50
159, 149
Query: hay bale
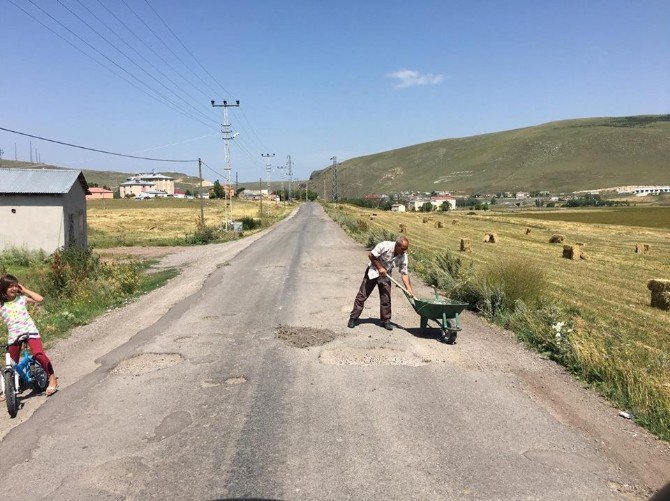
527, 231
439, 224
491, 238
642, 248
372, 218
660, 293
569, 251
362, 225
454, 221
556, 239
403, 228
425, 220
574, 252
374, 213
466, 245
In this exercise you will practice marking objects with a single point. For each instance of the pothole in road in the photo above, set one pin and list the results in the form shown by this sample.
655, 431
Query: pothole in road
233, 380
236, 380
370, 356
146, 362
304, 337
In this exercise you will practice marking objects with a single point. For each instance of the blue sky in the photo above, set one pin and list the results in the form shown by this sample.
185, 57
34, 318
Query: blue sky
316, 79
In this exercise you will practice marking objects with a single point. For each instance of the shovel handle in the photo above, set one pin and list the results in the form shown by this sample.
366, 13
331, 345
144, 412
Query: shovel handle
398, 285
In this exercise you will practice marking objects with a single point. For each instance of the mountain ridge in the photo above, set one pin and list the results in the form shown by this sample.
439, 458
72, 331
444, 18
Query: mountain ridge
558, 156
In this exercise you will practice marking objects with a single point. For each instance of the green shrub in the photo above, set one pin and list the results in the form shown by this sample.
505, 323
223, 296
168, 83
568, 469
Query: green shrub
69, 266
377, 235
517, 279
250, 223
202, 235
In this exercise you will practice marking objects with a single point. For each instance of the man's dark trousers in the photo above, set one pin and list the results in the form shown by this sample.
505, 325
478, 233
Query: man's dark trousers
367, 286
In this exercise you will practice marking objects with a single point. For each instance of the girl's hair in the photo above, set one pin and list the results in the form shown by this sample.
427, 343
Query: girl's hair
5, 282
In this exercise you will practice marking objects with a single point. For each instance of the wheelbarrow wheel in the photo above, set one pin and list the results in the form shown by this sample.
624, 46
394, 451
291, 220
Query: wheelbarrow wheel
449, 337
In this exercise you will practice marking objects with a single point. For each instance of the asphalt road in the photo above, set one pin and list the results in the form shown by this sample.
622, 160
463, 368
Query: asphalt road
194, 396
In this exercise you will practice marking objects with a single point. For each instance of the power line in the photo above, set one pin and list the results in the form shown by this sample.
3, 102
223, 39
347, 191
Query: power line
97, 150
133, 62
207, 117
153, 51
253, 132
96, 60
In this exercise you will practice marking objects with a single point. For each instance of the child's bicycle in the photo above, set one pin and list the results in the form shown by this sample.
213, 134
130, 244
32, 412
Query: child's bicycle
18, 376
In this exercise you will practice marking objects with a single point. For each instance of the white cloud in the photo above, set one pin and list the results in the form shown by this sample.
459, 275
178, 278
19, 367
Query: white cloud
411, 78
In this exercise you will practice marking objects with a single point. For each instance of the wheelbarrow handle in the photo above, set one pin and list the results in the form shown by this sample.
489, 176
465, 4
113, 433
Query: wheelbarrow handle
409, 294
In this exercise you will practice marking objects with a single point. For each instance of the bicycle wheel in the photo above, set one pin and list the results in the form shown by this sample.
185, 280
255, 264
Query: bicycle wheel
39, 377
11, 397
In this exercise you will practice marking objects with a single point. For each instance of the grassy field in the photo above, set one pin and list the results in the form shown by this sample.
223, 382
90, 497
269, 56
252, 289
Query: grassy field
618, 335
118, 223
644, 217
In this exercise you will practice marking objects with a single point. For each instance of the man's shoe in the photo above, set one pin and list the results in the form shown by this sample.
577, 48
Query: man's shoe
352, 323
387, 325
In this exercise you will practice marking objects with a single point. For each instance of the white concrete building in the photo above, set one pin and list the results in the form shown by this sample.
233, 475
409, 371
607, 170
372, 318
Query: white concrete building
42, 209
398, 208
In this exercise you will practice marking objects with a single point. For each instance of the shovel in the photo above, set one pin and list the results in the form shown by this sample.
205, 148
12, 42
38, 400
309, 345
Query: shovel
409, 294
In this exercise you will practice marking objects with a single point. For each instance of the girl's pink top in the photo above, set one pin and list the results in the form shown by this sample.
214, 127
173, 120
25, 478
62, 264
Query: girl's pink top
17, 319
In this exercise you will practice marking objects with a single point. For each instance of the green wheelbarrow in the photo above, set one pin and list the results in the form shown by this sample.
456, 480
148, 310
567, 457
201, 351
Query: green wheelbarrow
446, 312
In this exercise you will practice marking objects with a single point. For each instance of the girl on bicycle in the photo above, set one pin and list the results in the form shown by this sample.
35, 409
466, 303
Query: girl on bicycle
13, 300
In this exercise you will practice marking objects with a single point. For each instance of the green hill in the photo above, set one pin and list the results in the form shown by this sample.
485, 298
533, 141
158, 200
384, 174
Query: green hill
562, 156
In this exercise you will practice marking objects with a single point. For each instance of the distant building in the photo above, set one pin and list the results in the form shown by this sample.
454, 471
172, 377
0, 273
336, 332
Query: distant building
143, 182
42, 209
437, 201
398, 208
151, 194
253, 194
99, 194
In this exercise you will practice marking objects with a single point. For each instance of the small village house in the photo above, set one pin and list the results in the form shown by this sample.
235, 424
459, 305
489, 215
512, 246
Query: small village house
99, 194
398, 208
42, 209
438, 200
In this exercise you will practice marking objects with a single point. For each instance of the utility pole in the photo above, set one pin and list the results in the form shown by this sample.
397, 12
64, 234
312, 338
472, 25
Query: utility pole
268, 168
335, 194
31, 152
202, 208
15, 157
280, 169
227, 137
260, 194
290, 178
1, 152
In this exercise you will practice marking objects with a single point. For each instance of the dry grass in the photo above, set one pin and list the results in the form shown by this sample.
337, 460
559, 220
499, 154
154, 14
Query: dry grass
159, 221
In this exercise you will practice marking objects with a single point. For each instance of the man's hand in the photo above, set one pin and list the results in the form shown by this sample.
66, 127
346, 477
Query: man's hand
382, 271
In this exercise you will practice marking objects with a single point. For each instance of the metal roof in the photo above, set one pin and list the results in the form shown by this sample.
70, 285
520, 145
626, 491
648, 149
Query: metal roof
40, 181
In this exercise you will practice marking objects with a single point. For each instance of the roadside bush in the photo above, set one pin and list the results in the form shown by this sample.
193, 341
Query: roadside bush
250, 223
376, 235
67, 267
202, 235
447, 272
517, 279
